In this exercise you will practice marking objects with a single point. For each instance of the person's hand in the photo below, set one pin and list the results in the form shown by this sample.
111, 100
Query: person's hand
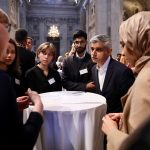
108, 124
22, 102
90, 86
115, 116
36, 99
34, 96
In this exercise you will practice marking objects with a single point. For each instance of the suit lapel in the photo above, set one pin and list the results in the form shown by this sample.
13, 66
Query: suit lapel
96, 79
108, 74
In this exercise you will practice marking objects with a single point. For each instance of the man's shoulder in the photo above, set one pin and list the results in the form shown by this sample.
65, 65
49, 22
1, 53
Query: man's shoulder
93, 67
69, 59
88, 56
118, 65
24, 51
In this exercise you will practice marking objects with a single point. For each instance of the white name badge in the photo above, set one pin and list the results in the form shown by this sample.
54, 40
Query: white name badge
83, 71
17, 81
51, 81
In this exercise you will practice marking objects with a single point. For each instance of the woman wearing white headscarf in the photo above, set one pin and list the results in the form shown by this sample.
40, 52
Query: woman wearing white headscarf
135, 39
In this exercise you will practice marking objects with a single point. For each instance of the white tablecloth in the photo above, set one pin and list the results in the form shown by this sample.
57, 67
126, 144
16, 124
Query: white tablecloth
72, 121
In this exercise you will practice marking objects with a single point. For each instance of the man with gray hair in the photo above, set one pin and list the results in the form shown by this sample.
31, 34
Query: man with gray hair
112, 79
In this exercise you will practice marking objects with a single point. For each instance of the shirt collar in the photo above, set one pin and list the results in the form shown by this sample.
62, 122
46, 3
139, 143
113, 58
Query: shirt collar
20, 45
104, 66
82, 56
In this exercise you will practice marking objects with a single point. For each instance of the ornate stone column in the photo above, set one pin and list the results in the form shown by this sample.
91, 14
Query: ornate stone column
63, 38
82, 18
116, 19
42, 31
101, 17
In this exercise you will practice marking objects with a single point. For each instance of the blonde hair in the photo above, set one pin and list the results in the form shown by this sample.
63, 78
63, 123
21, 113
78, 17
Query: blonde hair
44, 46
4, 19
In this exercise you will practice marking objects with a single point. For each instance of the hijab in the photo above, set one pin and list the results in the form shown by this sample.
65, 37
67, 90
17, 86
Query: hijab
135, 34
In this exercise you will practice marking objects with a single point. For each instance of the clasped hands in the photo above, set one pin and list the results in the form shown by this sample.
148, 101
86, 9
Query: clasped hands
110, 122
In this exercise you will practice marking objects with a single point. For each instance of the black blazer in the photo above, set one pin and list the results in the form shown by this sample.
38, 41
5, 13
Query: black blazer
26, 58
117, 81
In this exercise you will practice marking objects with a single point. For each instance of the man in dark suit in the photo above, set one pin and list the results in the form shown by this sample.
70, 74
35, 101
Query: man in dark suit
27, 59
76, 70
112, 79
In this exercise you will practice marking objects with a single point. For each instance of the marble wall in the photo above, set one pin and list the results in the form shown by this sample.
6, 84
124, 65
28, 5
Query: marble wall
104, 17
93, 16
41, 16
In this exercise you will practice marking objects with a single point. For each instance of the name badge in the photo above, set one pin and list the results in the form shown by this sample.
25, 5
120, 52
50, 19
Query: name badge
83, 71
51, 81
17, 81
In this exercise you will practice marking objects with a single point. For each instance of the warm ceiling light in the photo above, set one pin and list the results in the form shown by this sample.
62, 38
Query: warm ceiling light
53, 31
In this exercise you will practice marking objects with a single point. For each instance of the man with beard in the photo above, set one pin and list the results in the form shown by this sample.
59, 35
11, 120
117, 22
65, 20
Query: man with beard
76, 71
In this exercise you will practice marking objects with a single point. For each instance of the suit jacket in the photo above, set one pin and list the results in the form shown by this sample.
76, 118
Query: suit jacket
72, 79
27, 59
117, 81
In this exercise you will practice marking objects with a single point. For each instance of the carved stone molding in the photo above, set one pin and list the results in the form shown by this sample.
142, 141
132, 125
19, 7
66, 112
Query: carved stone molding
13, 12
134, 6
33, 25
54, 20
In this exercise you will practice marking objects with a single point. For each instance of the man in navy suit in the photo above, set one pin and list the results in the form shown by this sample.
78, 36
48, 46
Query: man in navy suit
112, 79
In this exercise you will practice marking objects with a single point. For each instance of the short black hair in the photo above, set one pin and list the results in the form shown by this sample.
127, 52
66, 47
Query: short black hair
79, 33
21, 35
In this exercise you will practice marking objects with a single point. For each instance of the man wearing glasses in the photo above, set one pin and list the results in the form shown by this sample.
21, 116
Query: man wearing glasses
76, 71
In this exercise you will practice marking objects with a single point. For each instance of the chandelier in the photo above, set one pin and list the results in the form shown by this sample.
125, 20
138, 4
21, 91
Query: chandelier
53, 31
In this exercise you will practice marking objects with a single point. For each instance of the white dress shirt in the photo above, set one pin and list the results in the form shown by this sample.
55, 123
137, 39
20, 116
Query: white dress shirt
102, 72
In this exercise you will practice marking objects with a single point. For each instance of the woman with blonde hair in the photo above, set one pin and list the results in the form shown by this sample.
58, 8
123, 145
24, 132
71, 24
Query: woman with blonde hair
43, 78
135, 40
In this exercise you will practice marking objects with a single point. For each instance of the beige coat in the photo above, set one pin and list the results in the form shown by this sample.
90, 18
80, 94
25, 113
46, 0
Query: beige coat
136, 110
135, 33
